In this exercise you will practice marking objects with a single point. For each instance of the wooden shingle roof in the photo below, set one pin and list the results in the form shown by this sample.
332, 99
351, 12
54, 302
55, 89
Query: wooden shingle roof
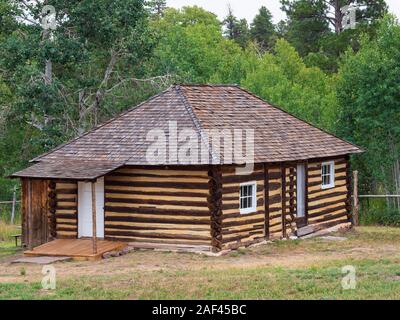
279, 136
67, 169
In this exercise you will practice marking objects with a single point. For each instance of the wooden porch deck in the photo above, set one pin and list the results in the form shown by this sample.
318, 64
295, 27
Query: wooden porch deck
78, 249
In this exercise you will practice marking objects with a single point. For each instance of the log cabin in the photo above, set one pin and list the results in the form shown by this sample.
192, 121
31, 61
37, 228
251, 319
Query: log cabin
102, 184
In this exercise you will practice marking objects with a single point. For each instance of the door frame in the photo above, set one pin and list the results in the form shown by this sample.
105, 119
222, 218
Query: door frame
90, 213
302, 221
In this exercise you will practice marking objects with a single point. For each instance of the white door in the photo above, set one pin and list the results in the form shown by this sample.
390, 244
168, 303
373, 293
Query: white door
301, 186
85, 227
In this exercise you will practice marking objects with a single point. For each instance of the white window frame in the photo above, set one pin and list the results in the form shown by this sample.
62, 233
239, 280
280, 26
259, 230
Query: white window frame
331, 185
253, 208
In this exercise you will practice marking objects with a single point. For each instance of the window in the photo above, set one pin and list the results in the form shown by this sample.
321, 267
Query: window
328, 174
248, 200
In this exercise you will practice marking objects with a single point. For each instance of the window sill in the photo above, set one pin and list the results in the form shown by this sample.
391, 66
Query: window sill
247, 211
327, 187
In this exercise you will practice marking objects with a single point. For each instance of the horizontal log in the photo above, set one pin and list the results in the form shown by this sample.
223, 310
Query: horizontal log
158, 202
157, 220
155, 193
59, 207
259, 176
156, 174
64, 235
326, 196
71, 222
176, 185
186, 228
274, 174
156, 241
275, 199
61, 186
330, 224
273, 186
241, 223
327, 217
326, 204
66, 229
149, 210
275, 224
244, 237
67, 191
128, 233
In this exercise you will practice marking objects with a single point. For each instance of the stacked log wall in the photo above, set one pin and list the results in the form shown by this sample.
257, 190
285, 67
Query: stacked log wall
158, 205
241, 229
328, 207
275, 202
290, 206
66, 209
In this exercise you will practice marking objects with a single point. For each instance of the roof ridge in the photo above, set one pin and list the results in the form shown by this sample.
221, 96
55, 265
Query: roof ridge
294, 116
130, 109
197, 123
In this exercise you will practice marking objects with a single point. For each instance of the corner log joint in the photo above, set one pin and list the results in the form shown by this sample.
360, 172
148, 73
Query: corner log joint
214, 201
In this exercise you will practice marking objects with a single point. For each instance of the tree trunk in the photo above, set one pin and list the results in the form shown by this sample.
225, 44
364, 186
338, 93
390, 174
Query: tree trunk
48, 69
48, 73
338, 16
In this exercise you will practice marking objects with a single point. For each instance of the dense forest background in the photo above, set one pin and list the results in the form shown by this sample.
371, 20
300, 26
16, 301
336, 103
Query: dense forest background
107, 55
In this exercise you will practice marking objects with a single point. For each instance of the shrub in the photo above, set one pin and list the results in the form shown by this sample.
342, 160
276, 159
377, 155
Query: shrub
385, 217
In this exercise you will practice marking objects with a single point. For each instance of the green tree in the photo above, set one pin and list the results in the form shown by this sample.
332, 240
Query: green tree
368, 94
306, 24
97, 53
191, 45
236, 30
315, 28
367, 11
157, 7
282, 78
262, 29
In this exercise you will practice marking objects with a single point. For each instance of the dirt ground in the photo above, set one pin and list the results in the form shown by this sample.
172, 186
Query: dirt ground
366, 242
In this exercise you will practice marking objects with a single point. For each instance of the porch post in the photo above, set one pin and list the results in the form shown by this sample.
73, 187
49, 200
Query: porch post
94, 222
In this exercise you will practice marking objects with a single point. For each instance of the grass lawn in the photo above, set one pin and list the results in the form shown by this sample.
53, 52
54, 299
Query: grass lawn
301, 269
7, 243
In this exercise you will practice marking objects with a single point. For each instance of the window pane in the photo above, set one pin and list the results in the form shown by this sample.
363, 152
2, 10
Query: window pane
246, 198
327, 173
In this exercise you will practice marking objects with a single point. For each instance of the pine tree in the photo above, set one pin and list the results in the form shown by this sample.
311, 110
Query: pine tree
157, 7
230, 23
306, 24
236, 30
262, 29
